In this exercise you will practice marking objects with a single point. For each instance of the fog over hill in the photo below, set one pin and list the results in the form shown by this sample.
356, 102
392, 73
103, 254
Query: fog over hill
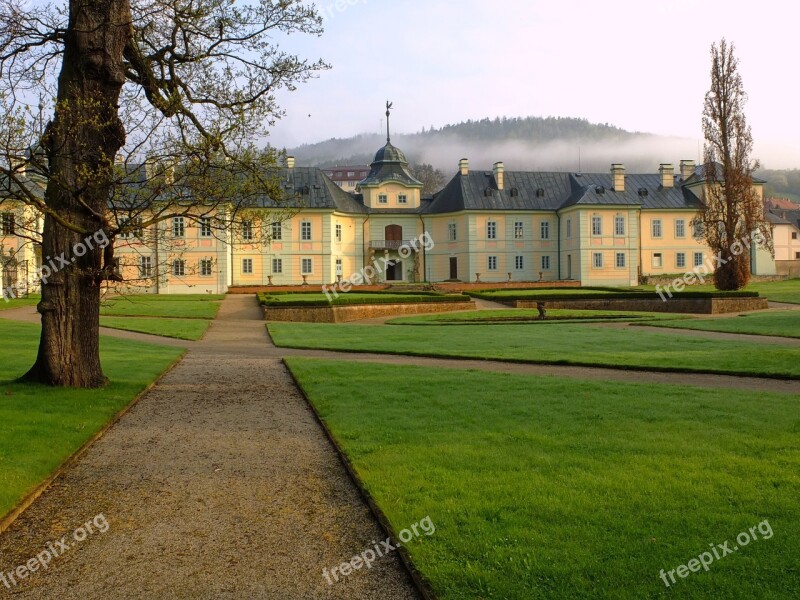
531, 143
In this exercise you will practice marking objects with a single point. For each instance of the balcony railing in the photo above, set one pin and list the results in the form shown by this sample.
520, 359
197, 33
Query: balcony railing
392, 244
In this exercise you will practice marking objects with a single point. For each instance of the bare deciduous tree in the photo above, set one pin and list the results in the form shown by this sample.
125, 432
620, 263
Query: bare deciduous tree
187, 85
733, 211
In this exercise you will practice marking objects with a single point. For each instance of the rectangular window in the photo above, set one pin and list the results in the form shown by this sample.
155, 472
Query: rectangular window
545, 230
277, 231
797, 255
338, 232
519, 263
205, 226
206, 266
247, 266
569, 228
698, 259
519, 230
132, 228
145, 267
597, 226
247, 230
794, 235
277, 266
402, 199
492, 263
305, 231
306, 266
620, 260
491, 230
657, 260
339, 267
383, 199
179, 268
656, 228
452, 232
545, 263
597, 260
680, 228
9, 227
680, 260
619, 225
178, 227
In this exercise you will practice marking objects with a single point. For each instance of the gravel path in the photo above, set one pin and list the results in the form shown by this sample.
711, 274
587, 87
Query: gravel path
218, 484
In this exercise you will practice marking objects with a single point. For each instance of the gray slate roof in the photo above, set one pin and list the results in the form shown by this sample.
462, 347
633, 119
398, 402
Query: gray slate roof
390, 164
699, 175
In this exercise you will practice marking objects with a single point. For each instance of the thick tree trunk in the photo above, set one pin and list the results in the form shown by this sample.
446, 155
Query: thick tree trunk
81, 144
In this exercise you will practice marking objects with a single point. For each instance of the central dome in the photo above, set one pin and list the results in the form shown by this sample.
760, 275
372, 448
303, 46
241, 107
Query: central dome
390, 153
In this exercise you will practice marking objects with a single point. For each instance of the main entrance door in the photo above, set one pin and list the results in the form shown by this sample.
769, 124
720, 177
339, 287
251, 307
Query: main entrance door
394, 270
453, 268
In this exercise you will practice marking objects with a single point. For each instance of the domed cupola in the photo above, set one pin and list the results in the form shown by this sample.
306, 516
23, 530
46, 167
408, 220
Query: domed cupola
390, 164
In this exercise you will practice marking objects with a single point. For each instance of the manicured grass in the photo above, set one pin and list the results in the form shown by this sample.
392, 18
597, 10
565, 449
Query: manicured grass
782, 324
525, 315
31, 300
777, 291
541, 487
184, 329
567, 343
187, 306
40, 426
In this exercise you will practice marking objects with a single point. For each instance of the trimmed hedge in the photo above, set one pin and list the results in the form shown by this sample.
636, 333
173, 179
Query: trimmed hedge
273, 299
488, 295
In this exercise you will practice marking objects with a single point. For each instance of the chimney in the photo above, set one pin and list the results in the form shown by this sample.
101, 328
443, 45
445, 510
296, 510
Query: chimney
499, 174
290, 162
687, 169
667, 172
463, 166
618, 177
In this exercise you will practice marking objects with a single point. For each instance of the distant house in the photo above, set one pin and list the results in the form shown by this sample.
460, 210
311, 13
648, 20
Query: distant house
347, 177
786, 239
780, 204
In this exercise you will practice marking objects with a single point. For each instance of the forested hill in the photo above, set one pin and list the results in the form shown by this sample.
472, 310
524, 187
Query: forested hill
784, 183
530, 143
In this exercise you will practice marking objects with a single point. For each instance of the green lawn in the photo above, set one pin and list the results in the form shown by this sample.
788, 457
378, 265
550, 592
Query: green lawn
184, 329
782, 324
151, 305
31, 300
777, 291
541, 487
568, 343
40, 426
525, 315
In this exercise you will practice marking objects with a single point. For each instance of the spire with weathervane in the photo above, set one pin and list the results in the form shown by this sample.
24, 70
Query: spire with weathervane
388, 112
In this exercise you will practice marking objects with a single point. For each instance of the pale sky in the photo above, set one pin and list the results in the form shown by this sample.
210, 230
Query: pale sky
642, 65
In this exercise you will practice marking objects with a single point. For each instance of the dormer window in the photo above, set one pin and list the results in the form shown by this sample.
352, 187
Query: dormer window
383, 199
402, 199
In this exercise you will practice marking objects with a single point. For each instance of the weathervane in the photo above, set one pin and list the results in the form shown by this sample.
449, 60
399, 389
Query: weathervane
388, 108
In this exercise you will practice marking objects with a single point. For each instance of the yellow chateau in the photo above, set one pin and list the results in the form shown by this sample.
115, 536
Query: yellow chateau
488, 226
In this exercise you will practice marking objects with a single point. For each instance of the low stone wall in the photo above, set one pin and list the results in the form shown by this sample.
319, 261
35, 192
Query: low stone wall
304, 289
702, 306
358, 312
788, 268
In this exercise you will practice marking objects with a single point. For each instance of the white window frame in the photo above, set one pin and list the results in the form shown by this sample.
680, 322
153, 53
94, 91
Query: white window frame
179, 267
206, 267
658, 260
519, 263
491, 263
620, 264
619, 225
9, 223
597, 225
306, 266
204, 224
402, 199
247, 266
305, 231
569, 228
277, 231
597, 260
680, 228
698, 259
145, 267
680, 260
247, 231
656, 229
546, 262
178, 227
277, 266
544, 230
491, 230
338, 232
452, 232
383, 199
519, 230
